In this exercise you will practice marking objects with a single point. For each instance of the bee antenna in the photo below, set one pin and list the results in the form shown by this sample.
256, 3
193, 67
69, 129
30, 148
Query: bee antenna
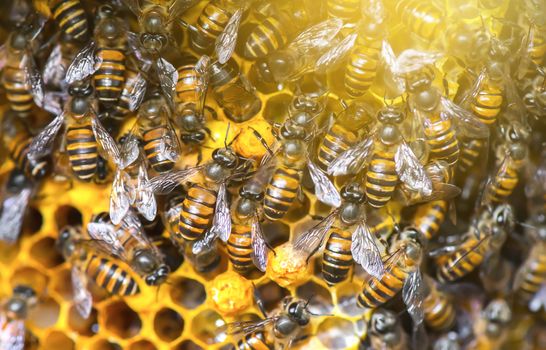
227, 134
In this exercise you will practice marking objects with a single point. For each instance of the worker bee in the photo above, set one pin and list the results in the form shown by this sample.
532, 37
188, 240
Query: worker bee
490, 328
429, 217
281, 329
385, 331
16, 195
471, 149
103, 58
438, 309
15, 311
424, 20
346, 10
134, 90
351, 239
57, 63
87, 264
128, 242
83, 136
70, 17
486, 236
388, 157
534, 95
402, 272
532, 50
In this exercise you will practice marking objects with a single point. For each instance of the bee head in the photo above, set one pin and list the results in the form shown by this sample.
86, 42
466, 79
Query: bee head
391, 114
297, 311
383, 321
65, 242
158, 276
353, 192
251, 191
225, 157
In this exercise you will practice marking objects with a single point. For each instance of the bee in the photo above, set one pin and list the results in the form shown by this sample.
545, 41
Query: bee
470, 153
533, 50
402, 272
535, 95
346, 10
128, 242
283, 327
490, 328
57, 63
16, 195
438, 309
103, 58
71, 18
87, 264
15, 311
83, 136
424, 20
350, 240
389, 159
429, 217
448, 341
485, 237
385, 332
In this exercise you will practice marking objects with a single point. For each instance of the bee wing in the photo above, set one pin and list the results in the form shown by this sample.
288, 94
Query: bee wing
106, 142
413, 294
106, 234
120, 199
169, 146
440, 191
33, 77
133, 5
13, 212
145, 199
365, 251
411, 171
168, 76
12, 334
3, 56
41, 144
53, 102
259, 245
465, 121
205, 243
473, 91
225, 43
82, 297
311, 240
317, 37
353, 159
137, 92
85, 63
178, 7
336, 55
538, 301
246, 327
221, 222
390, 62
54, 70
325, 190
167, 182
411, 60
130, 149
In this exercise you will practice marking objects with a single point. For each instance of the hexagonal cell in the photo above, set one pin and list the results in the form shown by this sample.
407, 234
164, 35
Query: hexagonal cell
346, 298
121, 320
205, 327
152, 228
173, 258
87, 327
8, 252
67, 215
45, 314
187, 345
337, 333
103, 344
58, 340
46, 253
62, 284
29, 276
33, 221
276, 232
142, 345
188, 293
168, 324
298, 210
320, 299
276, 108
271, 293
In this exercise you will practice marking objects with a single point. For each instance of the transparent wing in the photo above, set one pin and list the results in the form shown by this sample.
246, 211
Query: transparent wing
145, 200
311, 240
106, 233
225, 43
85, 63
336, 55
168, 76
178, 7
352, 160
120, 196
465, 121
168, 146
246, 327
82, 297
221, 221
130, 149
133, 5
106, 141
317, 37
12, 334
413, 294
473, 91
167, 182
205, 243
365, 251
411, 60
259, 246
54, 70
13, 212
34, 79
42, 143
325, 190
539, 300
390, 63
53, 102
410, 171
440, 191
137, 91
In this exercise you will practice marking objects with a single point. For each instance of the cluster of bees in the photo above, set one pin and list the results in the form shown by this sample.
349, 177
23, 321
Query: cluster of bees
402, 115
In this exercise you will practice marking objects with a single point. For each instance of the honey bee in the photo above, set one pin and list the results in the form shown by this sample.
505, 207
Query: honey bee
535, 95
14, 313
128, 242
439, 311
16, 195
86, 264
385, 332
70, 17
429, 217
58, 61
485, 237
134, 91
470, 153
346, 10
424, 20
388, 157
532, 50
490, 329
103, 58
350, 240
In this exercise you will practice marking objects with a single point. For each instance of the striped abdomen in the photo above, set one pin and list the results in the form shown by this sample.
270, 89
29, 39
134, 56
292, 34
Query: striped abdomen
376, 292
81, 146
254, 341
210, 24
188, 86
336, 141
268, 36
442, 141
381, 178
123, 107
503, 184
470, 152
18, 91
462, 262
439, 311
421, 18
110, 77
110, 276
347, 10
534, 270
154, 149
487, 104
429, 217
537, 50
362, 65
337, 258
197, 211
281, 192
18, 149
71, 18
239, 248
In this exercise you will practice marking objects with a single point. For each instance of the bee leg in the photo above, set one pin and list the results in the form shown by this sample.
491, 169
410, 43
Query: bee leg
199, 156
259, 301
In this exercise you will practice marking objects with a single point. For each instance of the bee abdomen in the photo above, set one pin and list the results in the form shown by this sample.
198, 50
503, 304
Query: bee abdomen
377, 292
281, 192
187, 88
153, 148
266, 37
442, 141
71, 18
461, 263
469, 155
538, 47
421, 18
429, 217
253, 341
209, 25
381, 179
502, 185
239, 248
362, 67
81, 146
487, 104
197, 211
110, 76
336, 141
17, 90
110, 276
439, 312
337, 258
533, 280
347, 10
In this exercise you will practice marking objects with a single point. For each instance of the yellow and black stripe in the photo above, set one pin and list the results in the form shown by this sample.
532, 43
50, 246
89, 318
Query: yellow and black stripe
429, 217
336, 141
470, 152
535, 276
269, 35
254, 341
504, 183
281, 192
537, 50
381, 178
110, 276
197, 212
18, 91
81, 146
210, 23
442, 141
439, 311
153, 148
376, 292
337, 258
347, 10
422, 18
239, 248
362, 65
459, 264
17, 140
487, 103
187, 86
110, 77
71, 18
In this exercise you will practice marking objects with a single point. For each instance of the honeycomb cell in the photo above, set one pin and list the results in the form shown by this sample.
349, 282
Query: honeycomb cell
276, 108
33, 220
206, 327
168, 324
287, 267
231, 293
46, 253
58, 340
62, 285
173, 258
299, 209
29, 276
45, 314
277, 232
121, 320
346, 298
337, 333
142, 345
8, 252
103, 344
87, 327
67, 215
320, 299
188, 293
187, 345
270, 293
